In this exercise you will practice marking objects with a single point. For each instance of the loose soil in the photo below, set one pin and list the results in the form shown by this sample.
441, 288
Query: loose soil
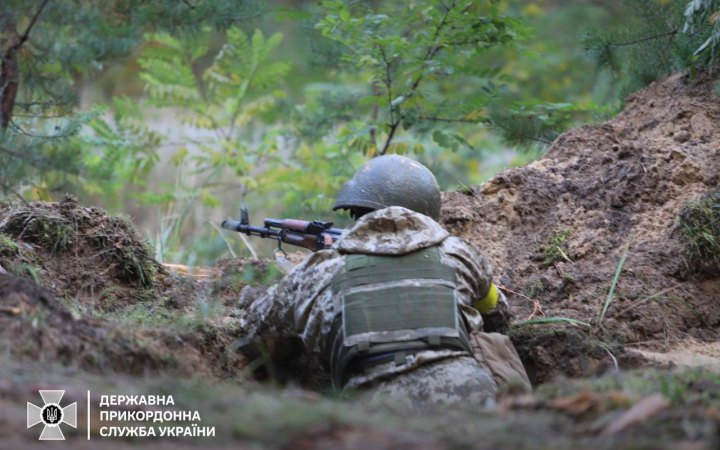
557, 229
106, 305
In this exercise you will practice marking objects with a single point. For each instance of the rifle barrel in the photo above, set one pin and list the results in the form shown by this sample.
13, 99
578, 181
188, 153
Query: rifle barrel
235, 225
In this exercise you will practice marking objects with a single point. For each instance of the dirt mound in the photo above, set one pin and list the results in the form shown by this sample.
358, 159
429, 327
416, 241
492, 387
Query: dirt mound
557, 230
78, 252
35, 326
106, 305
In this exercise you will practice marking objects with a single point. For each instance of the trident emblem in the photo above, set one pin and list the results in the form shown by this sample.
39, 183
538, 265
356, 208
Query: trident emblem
51, 414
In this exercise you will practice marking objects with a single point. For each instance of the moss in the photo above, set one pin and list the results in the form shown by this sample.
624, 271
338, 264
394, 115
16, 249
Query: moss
126, 251
54, 235
569, 278
700, 223
136, 266
556, 249
537, 288
8, 247
43, 228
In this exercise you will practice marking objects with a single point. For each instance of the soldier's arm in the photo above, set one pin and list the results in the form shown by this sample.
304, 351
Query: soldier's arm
475, 284
269, 314
275, 323
266, 329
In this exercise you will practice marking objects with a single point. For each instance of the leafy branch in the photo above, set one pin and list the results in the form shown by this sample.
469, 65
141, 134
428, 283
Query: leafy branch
430, 53
645, 39
701, 15
409, 52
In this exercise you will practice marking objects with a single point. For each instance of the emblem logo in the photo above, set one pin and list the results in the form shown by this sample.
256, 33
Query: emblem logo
51, 414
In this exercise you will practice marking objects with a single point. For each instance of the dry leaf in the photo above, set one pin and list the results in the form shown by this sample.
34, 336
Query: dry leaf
642, 411
12, 310
196, 272
577, 404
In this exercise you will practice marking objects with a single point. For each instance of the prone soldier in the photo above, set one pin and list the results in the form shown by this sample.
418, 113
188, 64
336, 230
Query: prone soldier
396, 306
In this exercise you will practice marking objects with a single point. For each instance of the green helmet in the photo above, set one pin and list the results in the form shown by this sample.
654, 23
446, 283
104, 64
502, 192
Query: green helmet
391, 180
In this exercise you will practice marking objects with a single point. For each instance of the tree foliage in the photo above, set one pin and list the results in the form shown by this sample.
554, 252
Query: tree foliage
49, 47
416, 57
238, 87
703, 17
280, 121
661, 37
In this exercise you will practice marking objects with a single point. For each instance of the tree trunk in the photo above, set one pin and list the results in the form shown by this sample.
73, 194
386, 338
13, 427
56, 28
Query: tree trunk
9, 76
10, 43
9, 82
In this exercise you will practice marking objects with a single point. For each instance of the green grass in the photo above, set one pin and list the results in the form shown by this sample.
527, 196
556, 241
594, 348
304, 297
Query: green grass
25, 270
156, 316
552, 321
614, 283
700, 223
556, 249
8, 247
54, 234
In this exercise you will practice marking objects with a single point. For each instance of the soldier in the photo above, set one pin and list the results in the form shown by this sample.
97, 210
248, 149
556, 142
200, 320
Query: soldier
397, 305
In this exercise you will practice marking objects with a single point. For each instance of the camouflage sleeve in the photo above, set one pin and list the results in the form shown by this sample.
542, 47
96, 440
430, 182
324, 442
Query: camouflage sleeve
271, 313
265, 328
471, 266
284, 310
474, 279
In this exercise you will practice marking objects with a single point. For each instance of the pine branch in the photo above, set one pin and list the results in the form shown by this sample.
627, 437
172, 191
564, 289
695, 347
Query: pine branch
20, 130
44, 104
189, 5
447, 119
40, 116
523, 136
23, 156
24, 37
644, 39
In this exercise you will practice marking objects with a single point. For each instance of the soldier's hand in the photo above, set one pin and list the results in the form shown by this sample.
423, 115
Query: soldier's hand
248, 347
498, 320
269, 356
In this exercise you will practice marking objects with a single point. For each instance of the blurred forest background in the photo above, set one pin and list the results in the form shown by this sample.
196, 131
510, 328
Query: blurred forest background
179, 112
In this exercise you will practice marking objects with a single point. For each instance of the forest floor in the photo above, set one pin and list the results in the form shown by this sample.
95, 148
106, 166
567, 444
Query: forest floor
616, 322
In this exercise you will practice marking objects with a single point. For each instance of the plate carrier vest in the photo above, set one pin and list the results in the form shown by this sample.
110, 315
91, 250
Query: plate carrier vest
387, 307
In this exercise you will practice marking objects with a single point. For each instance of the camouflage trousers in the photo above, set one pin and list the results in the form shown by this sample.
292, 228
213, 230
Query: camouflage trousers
457, 381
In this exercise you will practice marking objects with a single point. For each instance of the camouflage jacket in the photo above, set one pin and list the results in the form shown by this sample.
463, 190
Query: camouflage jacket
302, 305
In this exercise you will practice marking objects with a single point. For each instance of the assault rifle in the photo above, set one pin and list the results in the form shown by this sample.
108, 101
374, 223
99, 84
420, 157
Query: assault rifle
314, 235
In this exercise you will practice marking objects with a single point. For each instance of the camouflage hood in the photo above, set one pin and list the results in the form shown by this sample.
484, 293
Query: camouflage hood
391, 231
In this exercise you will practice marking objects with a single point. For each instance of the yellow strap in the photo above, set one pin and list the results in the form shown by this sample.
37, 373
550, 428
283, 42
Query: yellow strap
488, 303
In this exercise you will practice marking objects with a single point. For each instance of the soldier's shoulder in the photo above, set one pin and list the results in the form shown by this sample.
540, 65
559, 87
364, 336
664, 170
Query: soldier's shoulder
319, 263
458, 244
316, 259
